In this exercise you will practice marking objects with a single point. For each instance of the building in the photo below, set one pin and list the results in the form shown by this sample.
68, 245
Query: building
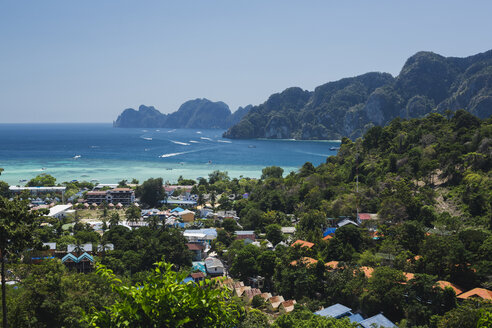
60, 211
378, 320
200, 235
274, 302
287, 306
40, 190
125, 196
247, 234
96, 197
214, 266
477, 293
197, 249
336, 311
186, 215
302, 244
344, 222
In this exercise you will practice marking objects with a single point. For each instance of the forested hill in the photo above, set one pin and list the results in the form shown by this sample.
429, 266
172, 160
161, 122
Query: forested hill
427, 83
198, 114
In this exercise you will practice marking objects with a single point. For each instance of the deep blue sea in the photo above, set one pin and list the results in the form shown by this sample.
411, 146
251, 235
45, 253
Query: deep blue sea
101, 152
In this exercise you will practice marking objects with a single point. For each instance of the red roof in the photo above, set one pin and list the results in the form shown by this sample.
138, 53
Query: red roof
122, 189
195, 247
477, 292
327, 237
302, 243
197, 275
332, 264
443, 284
364, 216
307, 261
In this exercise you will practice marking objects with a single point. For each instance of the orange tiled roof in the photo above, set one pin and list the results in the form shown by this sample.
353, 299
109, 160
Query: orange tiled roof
328, 237
477, 292
307, 261
443, 284
367, 271
332, 264
408, 275
302, 243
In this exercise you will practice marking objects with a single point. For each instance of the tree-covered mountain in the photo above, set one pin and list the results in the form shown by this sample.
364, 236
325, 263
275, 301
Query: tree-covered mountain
198, 114
427, 83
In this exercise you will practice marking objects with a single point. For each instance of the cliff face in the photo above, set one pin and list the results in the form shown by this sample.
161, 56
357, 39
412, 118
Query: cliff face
198, 114
427, 83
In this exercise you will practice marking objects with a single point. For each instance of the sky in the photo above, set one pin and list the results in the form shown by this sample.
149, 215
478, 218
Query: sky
86, 61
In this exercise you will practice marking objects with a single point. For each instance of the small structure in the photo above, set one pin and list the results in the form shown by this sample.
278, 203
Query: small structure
186, 215
274, 302
265, 296
344, 222
198, 276
288, 230
239, 291
72, 248
197, 250
83, 263
332, 265
336, 311
287, 306
364, 217
59, 211
477, 293
378, 320
246, 234
302, 244
249, 294
307, 261
214, 266
200, 235
446, 284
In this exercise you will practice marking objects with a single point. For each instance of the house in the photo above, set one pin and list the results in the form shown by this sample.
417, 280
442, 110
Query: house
445, 284
477, 293
274, 302
327, 237
332, 265
200, 235
60, 211
287, 306
247, 234
249, 294
197, 276
239, 291
344, 222
197, 249
336, 311
83, 263
214, 266
364, 217
368, 271
265, 296
302, 244
307, 261
288, 230
71, 248
329, 231
186, 215
378, 320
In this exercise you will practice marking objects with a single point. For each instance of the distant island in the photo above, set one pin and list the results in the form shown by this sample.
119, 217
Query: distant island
427, 83
194, 114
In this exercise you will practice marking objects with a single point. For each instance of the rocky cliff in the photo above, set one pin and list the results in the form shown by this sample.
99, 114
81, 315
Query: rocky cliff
427, 83
198, 114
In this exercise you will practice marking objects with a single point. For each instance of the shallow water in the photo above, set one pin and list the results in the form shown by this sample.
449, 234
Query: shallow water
99, 151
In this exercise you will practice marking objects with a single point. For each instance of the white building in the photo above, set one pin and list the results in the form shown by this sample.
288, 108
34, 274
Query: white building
60, 211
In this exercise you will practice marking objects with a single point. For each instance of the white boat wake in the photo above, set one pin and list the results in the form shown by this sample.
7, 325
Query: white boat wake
205, 138
224, 141
180, 143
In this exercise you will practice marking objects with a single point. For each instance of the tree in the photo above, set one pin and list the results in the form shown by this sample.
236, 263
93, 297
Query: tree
151, 192
151, 304
229, 225
4, 189
1, 170
225, 203
272, 172
123, 184
274, 233
17, 224
255, 318
133, 213
42, 180
216, 176
114, 219
307, 319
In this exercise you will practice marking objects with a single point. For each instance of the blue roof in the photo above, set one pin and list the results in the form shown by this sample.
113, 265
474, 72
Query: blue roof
188, 279
199, 266
329, 231
334, 311
70, 256
177, 209
181, 202
85, 256
355, 318
378, 320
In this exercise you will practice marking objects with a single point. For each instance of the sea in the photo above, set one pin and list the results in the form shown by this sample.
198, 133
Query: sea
101, 153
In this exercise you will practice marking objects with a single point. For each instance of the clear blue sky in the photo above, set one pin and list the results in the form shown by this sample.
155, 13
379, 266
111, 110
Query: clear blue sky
86, 61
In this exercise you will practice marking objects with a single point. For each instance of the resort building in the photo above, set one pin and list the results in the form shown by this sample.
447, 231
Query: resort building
124, 196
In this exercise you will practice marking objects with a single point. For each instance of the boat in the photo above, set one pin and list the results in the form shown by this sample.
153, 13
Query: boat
147, 138
251, 146
334, 148
23, 180
77, 156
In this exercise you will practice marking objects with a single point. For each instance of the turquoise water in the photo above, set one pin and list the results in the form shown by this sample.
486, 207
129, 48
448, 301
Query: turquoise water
101, 152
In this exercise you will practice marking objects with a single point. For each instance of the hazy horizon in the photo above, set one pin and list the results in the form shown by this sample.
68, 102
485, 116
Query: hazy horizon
86, 62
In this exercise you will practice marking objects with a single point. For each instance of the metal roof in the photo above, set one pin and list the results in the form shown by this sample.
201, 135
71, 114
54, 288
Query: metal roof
378, 320
334, 311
